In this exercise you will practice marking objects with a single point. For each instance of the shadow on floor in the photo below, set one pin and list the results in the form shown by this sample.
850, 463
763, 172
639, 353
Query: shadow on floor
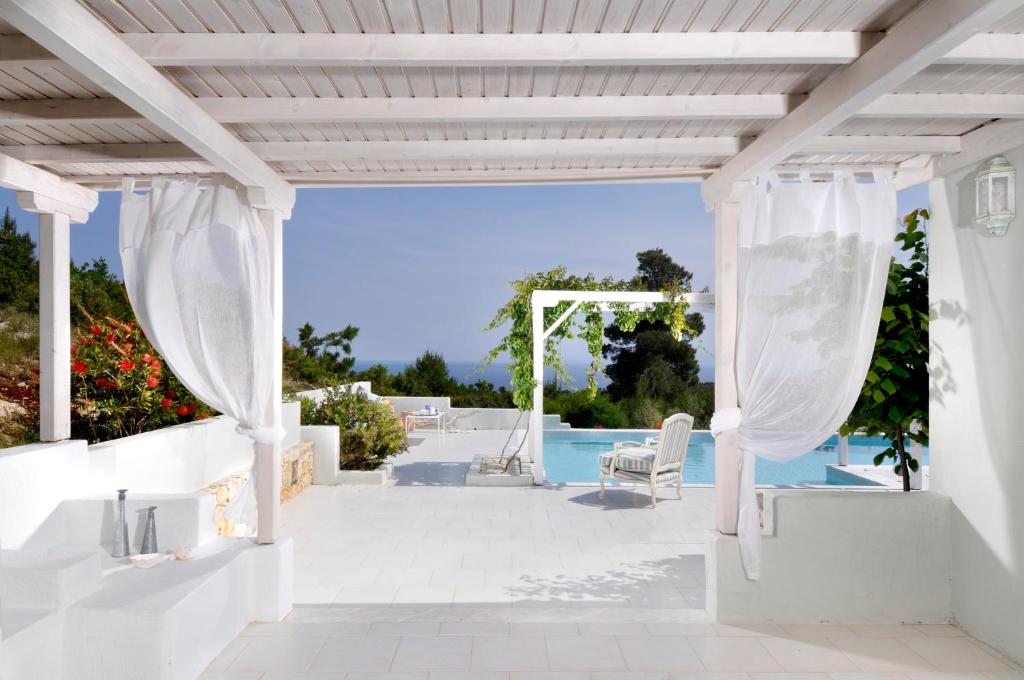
673, 582
434, 473
623, 499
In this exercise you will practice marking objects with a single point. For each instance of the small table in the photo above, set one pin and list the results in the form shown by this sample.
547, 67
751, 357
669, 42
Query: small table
436, 416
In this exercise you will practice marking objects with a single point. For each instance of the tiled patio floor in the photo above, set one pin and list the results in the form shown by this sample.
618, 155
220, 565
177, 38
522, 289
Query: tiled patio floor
430, 580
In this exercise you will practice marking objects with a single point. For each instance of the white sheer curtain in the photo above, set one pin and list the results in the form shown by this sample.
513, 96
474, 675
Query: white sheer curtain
813, 262
197, 269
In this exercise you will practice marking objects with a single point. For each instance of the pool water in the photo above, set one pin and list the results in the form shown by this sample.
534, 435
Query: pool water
570, 456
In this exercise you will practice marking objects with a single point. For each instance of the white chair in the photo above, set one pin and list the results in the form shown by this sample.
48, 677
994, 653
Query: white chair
661, 464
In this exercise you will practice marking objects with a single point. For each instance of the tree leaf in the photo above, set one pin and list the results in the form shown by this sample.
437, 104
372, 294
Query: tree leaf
888, 314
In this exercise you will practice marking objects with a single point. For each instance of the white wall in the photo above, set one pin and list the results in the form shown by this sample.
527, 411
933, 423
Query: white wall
977, 397
178, 459
839, 557
34, 479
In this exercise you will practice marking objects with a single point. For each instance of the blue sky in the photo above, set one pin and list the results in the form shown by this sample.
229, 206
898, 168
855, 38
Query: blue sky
419, 268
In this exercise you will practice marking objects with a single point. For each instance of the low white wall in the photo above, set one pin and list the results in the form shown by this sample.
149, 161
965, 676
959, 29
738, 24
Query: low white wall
977, 387
178, 459
840, 557
34, 479
326, 452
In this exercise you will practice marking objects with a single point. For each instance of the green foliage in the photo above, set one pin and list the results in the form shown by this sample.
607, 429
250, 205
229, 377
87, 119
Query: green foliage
587, 323
894, 399
581, 409
369, 430
319, 360
120, 387
429, 376
19, 269
97, 293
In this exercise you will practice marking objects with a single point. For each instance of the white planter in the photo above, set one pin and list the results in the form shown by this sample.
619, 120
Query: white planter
377, 477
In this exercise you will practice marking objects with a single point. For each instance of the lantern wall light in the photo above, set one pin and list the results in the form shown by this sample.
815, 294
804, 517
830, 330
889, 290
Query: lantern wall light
995, 200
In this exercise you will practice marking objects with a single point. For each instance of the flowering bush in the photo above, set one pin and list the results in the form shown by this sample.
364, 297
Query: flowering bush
120, 385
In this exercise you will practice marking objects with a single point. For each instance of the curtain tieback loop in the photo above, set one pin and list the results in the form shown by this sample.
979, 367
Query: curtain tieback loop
262, 435
725, 420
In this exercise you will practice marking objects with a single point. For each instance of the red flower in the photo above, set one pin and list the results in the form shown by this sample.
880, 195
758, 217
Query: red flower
126, 365
112, 385
74, 349
183, 410
660, 424
146, 358
96, 330
599, 427
165, 402
152, 382
79, 366
101, 382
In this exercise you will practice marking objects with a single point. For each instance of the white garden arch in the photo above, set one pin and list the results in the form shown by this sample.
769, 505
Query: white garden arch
543, 299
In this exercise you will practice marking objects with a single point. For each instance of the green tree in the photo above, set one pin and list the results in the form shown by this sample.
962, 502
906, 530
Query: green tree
647, 361
319, 360
19, 269
894, 400
428, 376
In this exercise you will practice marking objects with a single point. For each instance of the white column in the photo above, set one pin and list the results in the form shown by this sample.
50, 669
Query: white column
844, 451
54, 327
537, 414
268, 456
726, 450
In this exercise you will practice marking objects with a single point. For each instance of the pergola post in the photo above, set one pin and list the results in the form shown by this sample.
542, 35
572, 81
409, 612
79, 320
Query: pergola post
537, 414
54, 327
59, 203
726, 286
268, 456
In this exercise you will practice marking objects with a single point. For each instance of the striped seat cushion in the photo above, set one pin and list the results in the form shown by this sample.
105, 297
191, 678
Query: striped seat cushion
633, 460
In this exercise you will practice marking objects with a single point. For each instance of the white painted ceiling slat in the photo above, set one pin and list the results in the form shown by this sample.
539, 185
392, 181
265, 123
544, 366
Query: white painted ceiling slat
344, 81
275, 16
62, 89
187, 79
244, 15
318, 82
211, 15
12, 80
241, 81
339, 17
372, 15
68, 80
294, 83
308, 15
394, 81
76, 133
180, 15
114, 14
268, 82
497, 16
465, 16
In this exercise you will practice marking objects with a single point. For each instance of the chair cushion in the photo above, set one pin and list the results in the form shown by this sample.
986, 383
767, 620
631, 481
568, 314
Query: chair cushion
631, 460
662, 478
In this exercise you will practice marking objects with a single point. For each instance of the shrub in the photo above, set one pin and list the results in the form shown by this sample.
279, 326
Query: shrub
643, 412
369, 430
120, 387
581, 410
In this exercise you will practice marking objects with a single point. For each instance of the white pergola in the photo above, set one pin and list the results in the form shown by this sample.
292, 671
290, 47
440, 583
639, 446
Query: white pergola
541, 300
279, 94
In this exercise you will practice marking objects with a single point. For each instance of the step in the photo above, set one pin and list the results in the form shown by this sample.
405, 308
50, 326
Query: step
29, 647
47, 578
170, 621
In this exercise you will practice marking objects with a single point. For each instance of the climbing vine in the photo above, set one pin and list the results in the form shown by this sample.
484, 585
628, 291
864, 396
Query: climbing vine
586, 323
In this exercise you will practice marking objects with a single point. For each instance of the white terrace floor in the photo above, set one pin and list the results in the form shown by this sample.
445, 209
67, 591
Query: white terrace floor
431, 580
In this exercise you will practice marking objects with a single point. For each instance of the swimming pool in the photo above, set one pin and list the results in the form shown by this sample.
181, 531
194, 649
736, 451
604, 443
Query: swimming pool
570, 456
